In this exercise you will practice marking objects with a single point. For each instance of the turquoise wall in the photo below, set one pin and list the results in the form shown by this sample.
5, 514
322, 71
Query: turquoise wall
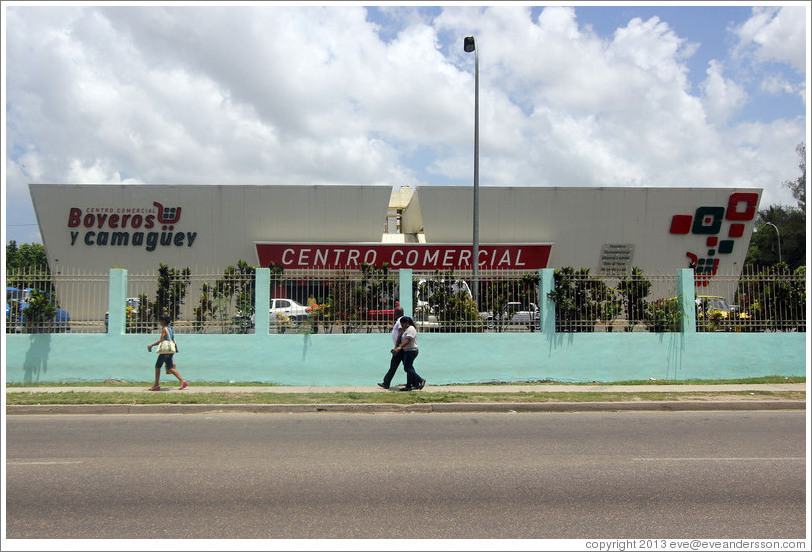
362, 359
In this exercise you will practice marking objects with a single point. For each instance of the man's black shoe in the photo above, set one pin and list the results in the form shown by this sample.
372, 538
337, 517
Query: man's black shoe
422, 384
383, 385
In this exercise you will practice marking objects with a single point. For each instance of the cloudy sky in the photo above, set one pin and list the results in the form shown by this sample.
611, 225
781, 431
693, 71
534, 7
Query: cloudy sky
271, 93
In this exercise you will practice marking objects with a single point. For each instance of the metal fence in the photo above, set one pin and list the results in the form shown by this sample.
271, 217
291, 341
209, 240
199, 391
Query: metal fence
333, 301
772, 300
633, 303
202, 303
506, 301
364, 301
769, 300
38, 301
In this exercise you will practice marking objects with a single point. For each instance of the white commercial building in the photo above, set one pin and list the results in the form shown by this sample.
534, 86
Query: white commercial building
607, 230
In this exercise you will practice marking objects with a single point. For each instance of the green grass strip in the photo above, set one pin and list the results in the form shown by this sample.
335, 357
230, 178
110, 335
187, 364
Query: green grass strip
236, 397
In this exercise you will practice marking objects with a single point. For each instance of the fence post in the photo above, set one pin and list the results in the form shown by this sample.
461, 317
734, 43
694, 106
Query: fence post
687, 297
262, 301
117, 301
546, 305
405, 293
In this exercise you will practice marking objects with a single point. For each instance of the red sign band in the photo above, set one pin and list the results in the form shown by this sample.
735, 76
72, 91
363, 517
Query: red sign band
351, 256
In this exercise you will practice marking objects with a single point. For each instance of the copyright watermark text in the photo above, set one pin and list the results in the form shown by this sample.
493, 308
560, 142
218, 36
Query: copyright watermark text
621, 545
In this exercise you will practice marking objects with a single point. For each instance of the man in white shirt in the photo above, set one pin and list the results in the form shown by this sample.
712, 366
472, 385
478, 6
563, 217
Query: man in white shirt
408, 346
397, 330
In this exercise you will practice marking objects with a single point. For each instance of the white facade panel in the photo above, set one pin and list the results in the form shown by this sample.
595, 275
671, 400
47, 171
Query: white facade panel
97, 227
581, 221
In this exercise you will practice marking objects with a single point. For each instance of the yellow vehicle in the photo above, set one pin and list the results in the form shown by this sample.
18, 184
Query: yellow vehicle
717, 307
714, 314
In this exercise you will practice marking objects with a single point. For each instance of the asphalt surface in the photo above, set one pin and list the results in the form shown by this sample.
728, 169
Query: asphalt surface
620, 475
690, 397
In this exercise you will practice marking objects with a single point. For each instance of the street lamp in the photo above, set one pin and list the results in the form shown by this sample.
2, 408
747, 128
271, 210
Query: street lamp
470, 46
779, 238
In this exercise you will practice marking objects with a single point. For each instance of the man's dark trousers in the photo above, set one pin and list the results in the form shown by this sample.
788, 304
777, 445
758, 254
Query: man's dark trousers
397, 358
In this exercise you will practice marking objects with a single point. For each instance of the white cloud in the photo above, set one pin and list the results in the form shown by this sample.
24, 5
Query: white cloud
723, 97
775, 84
777, 34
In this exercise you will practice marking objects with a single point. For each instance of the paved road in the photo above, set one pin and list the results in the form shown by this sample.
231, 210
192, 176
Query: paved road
462, 476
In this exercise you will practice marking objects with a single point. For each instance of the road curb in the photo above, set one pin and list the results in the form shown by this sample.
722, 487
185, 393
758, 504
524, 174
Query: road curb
659, 406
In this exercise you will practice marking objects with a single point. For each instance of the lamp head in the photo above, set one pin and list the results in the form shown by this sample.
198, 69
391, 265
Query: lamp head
469, 44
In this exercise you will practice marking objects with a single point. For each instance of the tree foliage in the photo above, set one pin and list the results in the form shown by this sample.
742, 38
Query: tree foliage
582, 300
237, 289
787, 237
26, 257
449, 301
798, 186
790, 222
171, 292
27, 267
39, 312
633, 291
769, 298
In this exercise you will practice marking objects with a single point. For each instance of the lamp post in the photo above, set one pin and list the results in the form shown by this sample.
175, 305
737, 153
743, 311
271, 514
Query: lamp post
470, 46
779, 238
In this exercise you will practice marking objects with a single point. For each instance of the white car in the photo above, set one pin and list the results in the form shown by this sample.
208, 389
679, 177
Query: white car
286, 310
515, 314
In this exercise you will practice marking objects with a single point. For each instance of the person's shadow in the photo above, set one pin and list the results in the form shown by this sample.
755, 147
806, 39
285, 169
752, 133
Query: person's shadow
36, 359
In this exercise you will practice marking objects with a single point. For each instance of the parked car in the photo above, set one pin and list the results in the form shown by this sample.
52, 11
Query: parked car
707, 305
383, 314
515, 313
286, 310
13, 297
18, 300
426, 288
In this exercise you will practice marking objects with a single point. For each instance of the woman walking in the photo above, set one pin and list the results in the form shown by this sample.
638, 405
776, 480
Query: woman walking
166, 359
408, 344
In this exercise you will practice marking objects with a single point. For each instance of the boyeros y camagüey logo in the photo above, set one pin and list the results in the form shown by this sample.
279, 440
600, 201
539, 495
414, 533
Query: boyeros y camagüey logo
128, 226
